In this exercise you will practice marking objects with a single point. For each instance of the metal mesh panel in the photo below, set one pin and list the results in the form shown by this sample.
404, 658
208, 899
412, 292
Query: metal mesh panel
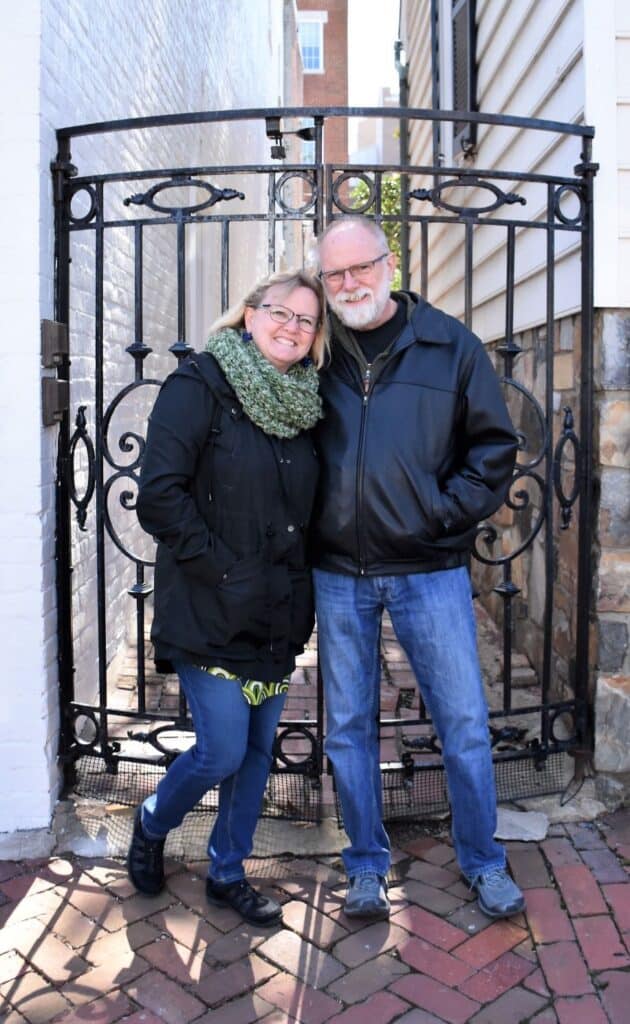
423, 792
520, 779
291, 796
288, 795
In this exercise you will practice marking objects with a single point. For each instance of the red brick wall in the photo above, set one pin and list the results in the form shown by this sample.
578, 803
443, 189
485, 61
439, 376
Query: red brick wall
330, 89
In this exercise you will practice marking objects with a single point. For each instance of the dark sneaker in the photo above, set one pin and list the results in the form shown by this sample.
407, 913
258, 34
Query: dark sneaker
245, 900
367, 896
497, 894
145, 860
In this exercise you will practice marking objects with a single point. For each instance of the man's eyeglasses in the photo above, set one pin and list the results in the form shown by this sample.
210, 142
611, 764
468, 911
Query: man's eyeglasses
360, 271
282, 315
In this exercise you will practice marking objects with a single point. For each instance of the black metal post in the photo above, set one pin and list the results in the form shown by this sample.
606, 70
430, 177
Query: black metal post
62, 170
403, 93
587, 169
548, 491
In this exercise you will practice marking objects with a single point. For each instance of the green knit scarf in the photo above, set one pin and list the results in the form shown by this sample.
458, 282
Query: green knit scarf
281, 404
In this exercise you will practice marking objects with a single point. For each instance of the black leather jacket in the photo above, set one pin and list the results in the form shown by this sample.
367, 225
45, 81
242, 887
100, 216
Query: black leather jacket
412, 456
229, 506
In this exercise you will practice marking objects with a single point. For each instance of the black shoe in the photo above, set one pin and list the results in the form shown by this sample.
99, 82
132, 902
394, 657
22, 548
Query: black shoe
251, 905
145, 860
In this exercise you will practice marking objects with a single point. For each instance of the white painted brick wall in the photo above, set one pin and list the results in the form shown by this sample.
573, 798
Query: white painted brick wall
26, 742
70, 62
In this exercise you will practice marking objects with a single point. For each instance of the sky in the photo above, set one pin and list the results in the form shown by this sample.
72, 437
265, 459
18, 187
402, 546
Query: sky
372, 30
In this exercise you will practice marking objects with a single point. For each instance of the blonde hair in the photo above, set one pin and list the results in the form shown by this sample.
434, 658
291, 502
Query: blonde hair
289, 280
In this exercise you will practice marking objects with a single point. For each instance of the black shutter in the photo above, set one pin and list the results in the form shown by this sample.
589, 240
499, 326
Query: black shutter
464, 72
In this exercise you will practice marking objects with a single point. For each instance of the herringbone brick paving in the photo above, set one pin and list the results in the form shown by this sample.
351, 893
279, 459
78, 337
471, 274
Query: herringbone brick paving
78, 944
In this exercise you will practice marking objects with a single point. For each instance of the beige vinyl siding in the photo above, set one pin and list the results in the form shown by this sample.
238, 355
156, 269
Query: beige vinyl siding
418, 44
607, 71
420, 84
622, 87
529, 64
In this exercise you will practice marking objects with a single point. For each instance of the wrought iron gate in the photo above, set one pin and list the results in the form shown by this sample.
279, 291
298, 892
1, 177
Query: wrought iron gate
121, 726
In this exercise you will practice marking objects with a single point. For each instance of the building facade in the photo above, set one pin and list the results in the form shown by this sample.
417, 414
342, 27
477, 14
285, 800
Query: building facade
323, 33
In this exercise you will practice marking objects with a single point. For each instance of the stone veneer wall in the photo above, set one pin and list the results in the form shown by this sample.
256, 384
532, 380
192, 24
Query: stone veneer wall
612, 585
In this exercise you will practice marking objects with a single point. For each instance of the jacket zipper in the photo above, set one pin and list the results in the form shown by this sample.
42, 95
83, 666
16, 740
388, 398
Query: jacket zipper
367, 385
360, 462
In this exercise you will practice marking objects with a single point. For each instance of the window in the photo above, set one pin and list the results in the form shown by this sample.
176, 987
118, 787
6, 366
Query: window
454, 75
311, 40
308, 152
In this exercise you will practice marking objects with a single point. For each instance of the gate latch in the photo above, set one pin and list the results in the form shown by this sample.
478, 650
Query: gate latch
54, 343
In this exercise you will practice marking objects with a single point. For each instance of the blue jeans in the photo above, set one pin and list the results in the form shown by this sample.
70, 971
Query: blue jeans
433, 619
233, 745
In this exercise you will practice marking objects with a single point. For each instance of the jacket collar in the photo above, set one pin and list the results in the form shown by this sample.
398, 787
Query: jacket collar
425, 324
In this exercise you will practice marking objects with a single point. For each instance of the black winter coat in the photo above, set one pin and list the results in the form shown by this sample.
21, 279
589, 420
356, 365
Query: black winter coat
412, 456
229, 507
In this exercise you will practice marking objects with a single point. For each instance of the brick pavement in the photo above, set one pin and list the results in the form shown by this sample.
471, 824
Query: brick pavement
77, 944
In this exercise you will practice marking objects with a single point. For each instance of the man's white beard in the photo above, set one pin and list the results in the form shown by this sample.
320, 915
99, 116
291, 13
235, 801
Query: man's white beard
359, 316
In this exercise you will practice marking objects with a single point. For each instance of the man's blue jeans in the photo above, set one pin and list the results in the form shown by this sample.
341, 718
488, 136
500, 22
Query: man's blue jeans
233, 747
433, 619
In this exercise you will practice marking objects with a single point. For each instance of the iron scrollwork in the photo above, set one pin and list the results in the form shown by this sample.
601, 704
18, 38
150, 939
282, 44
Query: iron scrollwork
434, 195
215, 195
92, 204
168, 754
362, 204
559, 195
563, 727
306, 765
507, 737
568, 437
281, 184
127, 440
82, 436
130, 443
516, 501
422, 744
87, 736
519, 500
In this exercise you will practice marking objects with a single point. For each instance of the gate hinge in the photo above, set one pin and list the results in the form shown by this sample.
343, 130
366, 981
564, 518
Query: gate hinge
61, 171
586, 167
55, 400
54, 343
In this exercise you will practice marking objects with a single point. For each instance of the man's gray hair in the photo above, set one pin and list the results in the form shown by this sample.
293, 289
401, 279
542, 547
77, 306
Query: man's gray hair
353, 220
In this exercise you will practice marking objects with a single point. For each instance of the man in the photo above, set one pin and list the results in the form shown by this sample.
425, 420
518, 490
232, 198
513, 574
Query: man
416, 448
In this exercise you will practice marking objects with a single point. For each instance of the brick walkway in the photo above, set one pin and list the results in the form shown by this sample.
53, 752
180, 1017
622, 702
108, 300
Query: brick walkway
78, 944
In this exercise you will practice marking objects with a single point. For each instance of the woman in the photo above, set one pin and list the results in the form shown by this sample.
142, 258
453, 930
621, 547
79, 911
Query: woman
227, 486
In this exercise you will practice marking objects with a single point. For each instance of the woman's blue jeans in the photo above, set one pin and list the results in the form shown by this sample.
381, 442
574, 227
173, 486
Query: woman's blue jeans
433, 619
233, 745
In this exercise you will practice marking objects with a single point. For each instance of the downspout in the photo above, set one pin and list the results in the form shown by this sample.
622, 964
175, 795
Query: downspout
403, 101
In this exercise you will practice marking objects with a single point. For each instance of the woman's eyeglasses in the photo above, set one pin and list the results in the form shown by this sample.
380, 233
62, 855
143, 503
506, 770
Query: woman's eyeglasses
359, 271
282, 315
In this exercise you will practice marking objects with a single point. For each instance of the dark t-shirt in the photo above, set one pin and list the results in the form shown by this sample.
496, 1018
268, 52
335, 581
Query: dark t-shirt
373, 342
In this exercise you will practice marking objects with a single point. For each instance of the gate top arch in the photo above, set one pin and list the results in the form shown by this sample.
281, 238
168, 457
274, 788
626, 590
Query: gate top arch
258, 113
